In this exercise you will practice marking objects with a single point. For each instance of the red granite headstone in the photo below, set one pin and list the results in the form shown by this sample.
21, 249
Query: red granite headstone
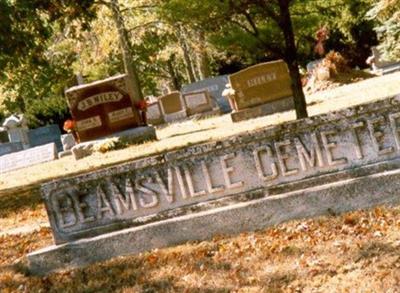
102, 108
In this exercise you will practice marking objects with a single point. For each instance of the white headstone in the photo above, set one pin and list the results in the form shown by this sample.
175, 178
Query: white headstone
28, 157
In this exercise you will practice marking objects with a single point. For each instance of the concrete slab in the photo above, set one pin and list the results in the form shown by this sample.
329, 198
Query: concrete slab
282, 105
132, 136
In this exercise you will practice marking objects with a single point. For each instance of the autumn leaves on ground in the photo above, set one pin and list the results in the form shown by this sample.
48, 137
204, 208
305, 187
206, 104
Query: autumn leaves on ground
355, 252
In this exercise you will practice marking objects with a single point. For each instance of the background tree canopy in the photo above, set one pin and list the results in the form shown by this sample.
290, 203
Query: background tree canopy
44, 44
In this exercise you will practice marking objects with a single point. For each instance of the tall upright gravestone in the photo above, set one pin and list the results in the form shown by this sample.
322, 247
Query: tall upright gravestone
260, 90
102, 108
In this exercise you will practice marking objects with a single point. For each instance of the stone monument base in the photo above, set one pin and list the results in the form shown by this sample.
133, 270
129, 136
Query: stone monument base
280, 105
133, 136
334, 193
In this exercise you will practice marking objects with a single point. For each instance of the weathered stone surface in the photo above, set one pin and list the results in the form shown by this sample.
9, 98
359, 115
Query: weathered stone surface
102, 108
333, 198
28, 157
17, 129
215, 86
172, 107
10, 147
197, 102
68, 141
45, 135
154, 114
111, 199
65, 154
281, 105
132, 136
260, 84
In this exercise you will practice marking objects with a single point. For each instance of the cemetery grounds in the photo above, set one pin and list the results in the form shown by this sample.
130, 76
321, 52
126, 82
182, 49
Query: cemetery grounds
355, 252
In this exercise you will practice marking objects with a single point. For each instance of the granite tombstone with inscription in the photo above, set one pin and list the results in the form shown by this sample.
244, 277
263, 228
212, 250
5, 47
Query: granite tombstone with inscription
214, 86
154, 114
260, 90
173, 107
28, 157
102, 108
197, 102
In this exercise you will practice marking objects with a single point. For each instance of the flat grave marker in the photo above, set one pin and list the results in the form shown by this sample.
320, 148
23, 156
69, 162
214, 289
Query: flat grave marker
28, 157
102, 108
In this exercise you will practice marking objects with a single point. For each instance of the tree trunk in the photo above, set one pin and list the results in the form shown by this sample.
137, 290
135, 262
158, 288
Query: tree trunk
126, 47
203, 60
290, 56
186, 56
174, 78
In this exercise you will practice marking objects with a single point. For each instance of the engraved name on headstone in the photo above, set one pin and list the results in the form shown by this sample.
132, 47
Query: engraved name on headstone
28, 157
107, 200
260, 84
102, 108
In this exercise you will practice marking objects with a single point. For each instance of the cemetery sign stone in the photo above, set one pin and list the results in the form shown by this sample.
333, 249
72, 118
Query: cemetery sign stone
106, 200
349, 159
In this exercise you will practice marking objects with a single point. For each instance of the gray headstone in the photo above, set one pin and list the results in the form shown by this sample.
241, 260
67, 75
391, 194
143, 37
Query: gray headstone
10, 147
215, 86
45, 135
28, 157
68, 141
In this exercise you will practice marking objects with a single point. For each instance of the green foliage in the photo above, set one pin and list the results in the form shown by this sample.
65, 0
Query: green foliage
387, 13
43, 44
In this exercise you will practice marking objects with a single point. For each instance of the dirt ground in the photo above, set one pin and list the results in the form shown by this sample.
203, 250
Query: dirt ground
355, 252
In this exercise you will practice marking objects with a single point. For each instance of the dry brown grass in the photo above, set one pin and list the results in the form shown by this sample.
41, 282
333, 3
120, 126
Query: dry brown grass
356, 252
197, 131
